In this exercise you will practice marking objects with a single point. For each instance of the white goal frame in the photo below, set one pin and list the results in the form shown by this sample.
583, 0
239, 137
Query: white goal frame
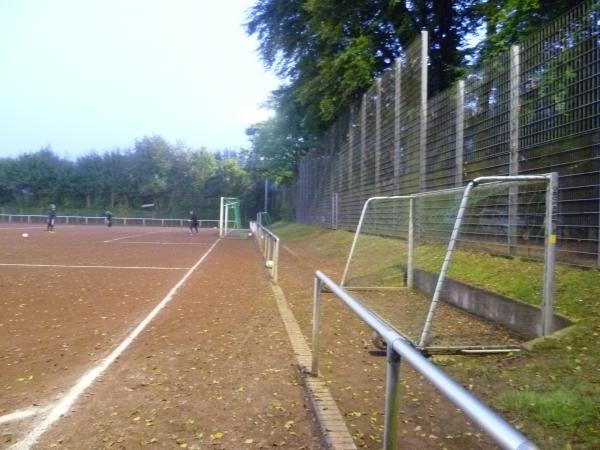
224, 221
551, 181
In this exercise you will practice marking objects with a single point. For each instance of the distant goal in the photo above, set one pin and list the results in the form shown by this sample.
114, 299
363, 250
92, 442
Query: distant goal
230, 222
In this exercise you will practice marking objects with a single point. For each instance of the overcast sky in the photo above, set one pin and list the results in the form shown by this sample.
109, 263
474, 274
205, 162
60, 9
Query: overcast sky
82, 75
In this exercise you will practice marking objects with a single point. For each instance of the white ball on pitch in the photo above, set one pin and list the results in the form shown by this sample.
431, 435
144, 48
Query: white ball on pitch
250, 234
25, 235
269, 264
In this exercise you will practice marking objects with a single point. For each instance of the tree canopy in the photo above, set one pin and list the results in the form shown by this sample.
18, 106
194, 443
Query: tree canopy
328, 52
173, 177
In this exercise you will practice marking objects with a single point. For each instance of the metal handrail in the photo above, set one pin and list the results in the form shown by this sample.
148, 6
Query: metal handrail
503, 433
268, 243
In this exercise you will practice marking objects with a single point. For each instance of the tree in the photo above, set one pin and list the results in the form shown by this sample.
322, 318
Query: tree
509, 21
89, 179
151, 164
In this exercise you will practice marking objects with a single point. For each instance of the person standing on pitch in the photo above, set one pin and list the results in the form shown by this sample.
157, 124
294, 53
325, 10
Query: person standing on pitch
108, 216
51, 218
193, 223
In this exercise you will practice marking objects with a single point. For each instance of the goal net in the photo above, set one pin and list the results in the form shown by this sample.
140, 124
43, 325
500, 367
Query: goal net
415, 255
230, 223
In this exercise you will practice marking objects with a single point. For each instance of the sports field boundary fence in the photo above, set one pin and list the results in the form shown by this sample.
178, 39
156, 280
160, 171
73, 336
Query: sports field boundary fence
100, 220
532, 110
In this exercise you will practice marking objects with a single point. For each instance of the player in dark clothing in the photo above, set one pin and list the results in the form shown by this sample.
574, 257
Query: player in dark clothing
51, 218
108, 215
193, 223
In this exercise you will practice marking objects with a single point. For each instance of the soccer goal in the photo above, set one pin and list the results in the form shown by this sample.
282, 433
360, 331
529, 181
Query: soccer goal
230, 223
408, 251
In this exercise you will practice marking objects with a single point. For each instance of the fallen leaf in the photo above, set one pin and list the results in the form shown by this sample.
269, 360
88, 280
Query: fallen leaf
216, 436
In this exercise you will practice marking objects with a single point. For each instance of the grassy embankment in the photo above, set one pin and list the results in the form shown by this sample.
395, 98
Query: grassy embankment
551, 392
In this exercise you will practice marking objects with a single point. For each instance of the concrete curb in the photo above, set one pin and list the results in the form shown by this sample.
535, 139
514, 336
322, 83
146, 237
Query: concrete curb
330, 419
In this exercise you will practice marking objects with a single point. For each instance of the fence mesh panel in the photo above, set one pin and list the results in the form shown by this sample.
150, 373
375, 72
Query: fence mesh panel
533, 110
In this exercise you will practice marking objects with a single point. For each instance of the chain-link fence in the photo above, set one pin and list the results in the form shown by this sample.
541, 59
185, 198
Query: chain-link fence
535, 109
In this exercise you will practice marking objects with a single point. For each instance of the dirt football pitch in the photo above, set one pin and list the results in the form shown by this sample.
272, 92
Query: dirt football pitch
140, 337
212, 369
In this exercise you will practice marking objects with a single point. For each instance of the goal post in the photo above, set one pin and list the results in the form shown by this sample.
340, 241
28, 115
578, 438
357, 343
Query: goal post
402, 237
230, 223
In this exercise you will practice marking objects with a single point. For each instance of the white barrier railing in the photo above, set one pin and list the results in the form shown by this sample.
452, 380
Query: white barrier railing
95, 220
268, 243
504, 434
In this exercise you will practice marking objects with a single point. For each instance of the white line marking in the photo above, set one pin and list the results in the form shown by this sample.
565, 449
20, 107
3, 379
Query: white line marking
20, 228
290, 251
22, 414
63, 405
165, 243
126, 237
92, 267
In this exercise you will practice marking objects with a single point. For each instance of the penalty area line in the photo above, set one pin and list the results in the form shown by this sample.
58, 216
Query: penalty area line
165, 243
22, 414
65, 266
63, 405
134, 235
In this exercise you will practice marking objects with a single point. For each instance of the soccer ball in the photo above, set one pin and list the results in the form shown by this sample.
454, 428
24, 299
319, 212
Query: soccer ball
25, 235
269, 264
249, 234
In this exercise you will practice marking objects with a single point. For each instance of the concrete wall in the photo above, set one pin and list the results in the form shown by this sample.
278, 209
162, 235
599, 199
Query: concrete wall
522, 318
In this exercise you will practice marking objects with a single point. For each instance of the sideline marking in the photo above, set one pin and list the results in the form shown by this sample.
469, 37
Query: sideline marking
165, 243
125, 237
22, 414
21, 228
136, 235
63, 405
290, 251
92, 267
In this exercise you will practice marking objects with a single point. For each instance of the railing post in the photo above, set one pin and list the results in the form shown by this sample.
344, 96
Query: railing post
276, 260
314, 369
390, 432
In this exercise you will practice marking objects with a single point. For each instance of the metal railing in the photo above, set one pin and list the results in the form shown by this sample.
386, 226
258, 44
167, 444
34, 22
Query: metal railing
95, 220
268, 243
504, 434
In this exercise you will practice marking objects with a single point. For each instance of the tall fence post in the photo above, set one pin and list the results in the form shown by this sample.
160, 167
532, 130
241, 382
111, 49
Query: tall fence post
513, 164
460, 132
550, 253
423, 118
351, 149
363, 139
411, 244
378, 132
397, 123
